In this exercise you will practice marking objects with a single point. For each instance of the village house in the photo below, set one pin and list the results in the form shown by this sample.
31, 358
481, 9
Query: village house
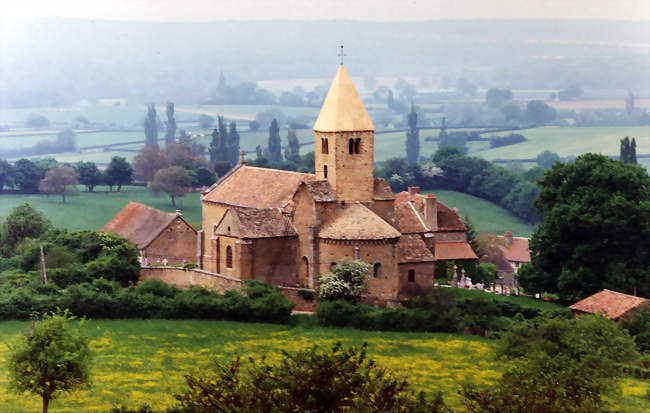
162, 238
286, 227
611, 304
515, 254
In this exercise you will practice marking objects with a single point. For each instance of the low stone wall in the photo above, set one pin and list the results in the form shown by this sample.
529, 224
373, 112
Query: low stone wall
185, 278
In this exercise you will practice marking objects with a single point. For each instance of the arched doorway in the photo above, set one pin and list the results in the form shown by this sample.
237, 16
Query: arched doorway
303, 279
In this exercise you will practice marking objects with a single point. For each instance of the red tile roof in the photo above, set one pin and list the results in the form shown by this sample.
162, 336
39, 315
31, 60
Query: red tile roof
411, 248
140, 223
448, 219
610, 304
260, 223
354, 221
382, 190
454, 251
254, 187
321, 191
515, 249
407, 218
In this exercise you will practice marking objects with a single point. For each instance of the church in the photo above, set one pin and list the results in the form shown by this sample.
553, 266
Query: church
285, 228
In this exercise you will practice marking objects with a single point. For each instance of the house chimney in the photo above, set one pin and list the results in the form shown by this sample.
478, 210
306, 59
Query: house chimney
508, 237
179, 212
413, 191
431, 212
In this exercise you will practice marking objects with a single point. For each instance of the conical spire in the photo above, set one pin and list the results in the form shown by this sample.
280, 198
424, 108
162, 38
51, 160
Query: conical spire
343, 110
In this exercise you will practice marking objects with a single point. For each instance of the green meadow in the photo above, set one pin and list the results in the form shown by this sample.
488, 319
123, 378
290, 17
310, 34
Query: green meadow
143, 361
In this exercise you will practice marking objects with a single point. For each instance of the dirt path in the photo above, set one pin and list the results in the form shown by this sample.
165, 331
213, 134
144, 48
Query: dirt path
207, 112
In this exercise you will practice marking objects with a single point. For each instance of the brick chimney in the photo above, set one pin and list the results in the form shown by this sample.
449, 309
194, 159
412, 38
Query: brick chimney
431, 212
179, 212
413, 191
508, 237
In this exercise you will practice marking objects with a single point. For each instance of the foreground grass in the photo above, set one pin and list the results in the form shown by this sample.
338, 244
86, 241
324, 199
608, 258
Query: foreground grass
140, 361
485, 215
94, 210
519, 300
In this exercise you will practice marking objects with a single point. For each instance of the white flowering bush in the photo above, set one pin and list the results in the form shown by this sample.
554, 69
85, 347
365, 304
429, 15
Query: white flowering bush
346, 281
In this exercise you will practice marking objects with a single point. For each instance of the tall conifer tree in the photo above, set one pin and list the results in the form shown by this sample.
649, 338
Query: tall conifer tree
413, 137
151, 126
218, 148
292, 149
275, 143
443, 141
232, 145
170, 136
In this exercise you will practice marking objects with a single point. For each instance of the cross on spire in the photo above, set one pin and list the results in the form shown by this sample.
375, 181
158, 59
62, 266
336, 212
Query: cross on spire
341, 55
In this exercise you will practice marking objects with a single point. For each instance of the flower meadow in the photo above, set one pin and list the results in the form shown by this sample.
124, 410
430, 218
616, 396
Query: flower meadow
144, 361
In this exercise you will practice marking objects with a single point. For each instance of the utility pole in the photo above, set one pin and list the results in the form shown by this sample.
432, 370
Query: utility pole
43, 273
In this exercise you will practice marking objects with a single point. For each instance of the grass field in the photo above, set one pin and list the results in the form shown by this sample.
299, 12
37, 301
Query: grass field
138, 362
514, 299
485, 215
571, 141
94, 210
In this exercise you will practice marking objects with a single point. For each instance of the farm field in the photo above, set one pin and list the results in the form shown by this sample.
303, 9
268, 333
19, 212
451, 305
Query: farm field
93, 210
143, 361
485, 215
570, 141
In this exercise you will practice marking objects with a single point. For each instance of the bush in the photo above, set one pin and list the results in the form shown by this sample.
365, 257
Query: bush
639, 328
346, 281
511, 139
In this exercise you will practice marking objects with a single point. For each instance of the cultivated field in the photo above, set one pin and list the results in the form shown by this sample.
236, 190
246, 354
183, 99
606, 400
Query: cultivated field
485, 215
143, 361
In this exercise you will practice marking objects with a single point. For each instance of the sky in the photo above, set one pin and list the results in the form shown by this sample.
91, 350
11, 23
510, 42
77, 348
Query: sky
379, 10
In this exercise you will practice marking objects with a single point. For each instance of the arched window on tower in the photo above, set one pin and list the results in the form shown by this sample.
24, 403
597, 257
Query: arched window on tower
324, 146
351, 146
325, 171
228, 256
357, 145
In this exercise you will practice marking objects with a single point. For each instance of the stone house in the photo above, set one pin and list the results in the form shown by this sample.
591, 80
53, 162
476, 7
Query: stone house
611, 304
515, 254
288, 227
163, 238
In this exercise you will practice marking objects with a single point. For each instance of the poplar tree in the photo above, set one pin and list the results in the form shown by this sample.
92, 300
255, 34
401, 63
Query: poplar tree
218, 149
232, 145
150, 126
293, 146
628, 151
171, 124
442, 137
413, 137
275, 143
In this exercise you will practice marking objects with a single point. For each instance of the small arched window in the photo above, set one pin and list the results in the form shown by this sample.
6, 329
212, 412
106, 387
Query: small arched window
357, 145
351, 146
324, 145
377, 270
325, 171
228, 256
411, 276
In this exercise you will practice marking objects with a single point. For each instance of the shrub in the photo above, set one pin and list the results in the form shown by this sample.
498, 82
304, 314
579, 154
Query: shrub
639, 328
511, 139
346, 281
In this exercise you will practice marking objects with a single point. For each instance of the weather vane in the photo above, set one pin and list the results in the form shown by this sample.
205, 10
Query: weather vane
341, 55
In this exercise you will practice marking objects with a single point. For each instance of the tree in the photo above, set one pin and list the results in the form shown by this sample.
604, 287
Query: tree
628, 151
292, 150
570, 93
52, 358
174, 180
333, 380
511, 111
37, 121
253, 125
89, 175
539, 112
346, 281
65, 141
119, 172
495, 98
232, 144
547, 159
473, 237
23, 221
629, 102
6, 174
59, 181
218, 149
413, 137
596, 217
170, 134
151, 126
206, 121
275, 143
442, 137
150, 160
27, 175
204, 176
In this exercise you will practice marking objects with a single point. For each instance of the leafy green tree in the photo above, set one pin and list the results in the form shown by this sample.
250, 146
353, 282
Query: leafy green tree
413, 137
512, 111
473, 237
596, 217
6, 174
218, 145
151, 126
486, 274
89, 175
346, 281
232, 144
27, 175
150, 160
174, 180
334, 380
274, 143
23, 221
35, 120
170, 134
52, 358
628, 151
59, 181
557, 365
204, 176
495, 98
639, 328
539, 112
546, 159
119, 172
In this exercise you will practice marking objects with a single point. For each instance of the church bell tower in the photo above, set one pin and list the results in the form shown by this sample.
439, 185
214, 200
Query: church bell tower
344, 142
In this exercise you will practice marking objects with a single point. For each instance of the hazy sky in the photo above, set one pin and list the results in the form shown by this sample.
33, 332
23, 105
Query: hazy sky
203, 10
